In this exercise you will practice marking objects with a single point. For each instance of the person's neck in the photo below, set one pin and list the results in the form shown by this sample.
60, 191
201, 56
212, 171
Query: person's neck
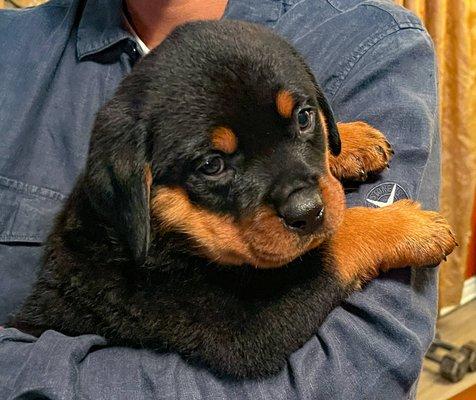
153, 20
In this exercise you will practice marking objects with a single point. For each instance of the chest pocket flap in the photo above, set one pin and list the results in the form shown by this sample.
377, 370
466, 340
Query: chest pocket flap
27, 212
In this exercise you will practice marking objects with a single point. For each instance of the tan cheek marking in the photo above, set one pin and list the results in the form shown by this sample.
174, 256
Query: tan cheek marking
333, 197
285, 103
334, 202
272, 244
223, 139
217, 236
260, 240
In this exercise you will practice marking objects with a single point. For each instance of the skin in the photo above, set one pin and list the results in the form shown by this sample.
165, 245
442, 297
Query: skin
154, 20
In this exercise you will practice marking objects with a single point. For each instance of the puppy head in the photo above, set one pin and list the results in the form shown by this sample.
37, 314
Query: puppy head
220, 135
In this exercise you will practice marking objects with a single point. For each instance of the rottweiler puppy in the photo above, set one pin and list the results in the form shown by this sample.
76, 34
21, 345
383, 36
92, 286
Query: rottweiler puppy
210, 221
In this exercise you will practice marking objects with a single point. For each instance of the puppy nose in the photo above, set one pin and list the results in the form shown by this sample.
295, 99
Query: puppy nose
303, 211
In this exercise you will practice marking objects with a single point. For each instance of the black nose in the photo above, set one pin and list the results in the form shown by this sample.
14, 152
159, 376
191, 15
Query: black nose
303, 211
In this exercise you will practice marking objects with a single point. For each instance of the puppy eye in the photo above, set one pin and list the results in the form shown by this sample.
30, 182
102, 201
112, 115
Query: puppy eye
213, 166
306, 119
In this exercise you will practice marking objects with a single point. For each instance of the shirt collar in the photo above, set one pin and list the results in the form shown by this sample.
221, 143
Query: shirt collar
102, 25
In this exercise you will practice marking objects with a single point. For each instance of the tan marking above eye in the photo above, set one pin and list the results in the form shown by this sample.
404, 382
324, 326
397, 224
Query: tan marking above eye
285, 103
223, 139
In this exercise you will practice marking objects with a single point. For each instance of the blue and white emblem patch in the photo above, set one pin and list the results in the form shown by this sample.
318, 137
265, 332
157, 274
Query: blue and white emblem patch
385, 194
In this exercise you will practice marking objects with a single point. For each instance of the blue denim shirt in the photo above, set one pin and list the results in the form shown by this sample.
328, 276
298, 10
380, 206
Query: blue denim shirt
60, 62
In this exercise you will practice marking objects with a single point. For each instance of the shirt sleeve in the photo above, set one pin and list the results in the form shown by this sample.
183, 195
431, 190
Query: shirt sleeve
373, 345
369, 348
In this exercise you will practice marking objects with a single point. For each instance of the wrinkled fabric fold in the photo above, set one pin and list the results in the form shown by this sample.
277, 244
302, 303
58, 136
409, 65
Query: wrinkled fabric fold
452, 25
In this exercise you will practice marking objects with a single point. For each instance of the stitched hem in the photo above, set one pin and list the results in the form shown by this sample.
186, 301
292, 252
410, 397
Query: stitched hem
36, 239
27, 188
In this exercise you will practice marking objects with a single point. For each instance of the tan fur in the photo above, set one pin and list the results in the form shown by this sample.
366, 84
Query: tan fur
322, 120
148, 180
362, 241
260, 239
364, 150
285, 103
371, 240
223, 139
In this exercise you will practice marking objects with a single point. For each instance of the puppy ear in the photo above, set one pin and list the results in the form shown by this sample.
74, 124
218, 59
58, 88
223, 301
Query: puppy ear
118, 177
333, 137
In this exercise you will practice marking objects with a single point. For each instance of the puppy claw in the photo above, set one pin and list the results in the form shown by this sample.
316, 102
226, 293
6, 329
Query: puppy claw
362, 175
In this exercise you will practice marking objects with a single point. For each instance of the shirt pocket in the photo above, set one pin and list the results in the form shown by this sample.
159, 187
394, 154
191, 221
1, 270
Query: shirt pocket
27, 212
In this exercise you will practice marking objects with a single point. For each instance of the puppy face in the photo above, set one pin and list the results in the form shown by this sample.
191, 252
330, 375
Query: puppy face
233, 134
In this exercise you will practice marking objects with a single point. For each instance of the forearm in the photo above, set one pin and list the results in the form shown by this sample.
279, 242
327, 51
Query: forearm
374, 343
367, 348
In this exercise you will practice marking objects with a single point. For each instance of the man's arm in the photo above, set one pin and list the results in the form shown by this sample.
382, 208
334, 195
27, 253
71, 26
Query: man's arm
371, 347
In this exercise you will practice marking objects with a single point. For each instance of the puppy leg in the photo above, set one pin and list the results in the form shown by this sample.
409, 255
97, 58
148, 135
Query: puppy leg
372, 240
367, 242
364, 150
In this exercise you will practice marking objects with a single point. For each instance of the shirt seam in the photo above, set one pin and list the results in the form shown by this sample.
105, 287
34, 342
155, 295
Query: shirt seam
35, 8
360, 52
401, 24
436, 117
29, 189
49, 5
10, 238
334, 7
371, 4
418, 189
295, 3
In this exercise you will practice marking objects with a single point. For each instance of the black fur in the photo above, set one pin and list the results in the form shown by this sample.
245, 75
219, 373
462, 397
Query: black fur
107, 272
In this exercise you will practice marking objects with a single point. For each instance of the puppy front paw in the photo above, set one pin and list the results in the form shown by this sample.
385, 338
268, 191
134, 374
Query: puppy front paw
427, 239
365, 150
374, 240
